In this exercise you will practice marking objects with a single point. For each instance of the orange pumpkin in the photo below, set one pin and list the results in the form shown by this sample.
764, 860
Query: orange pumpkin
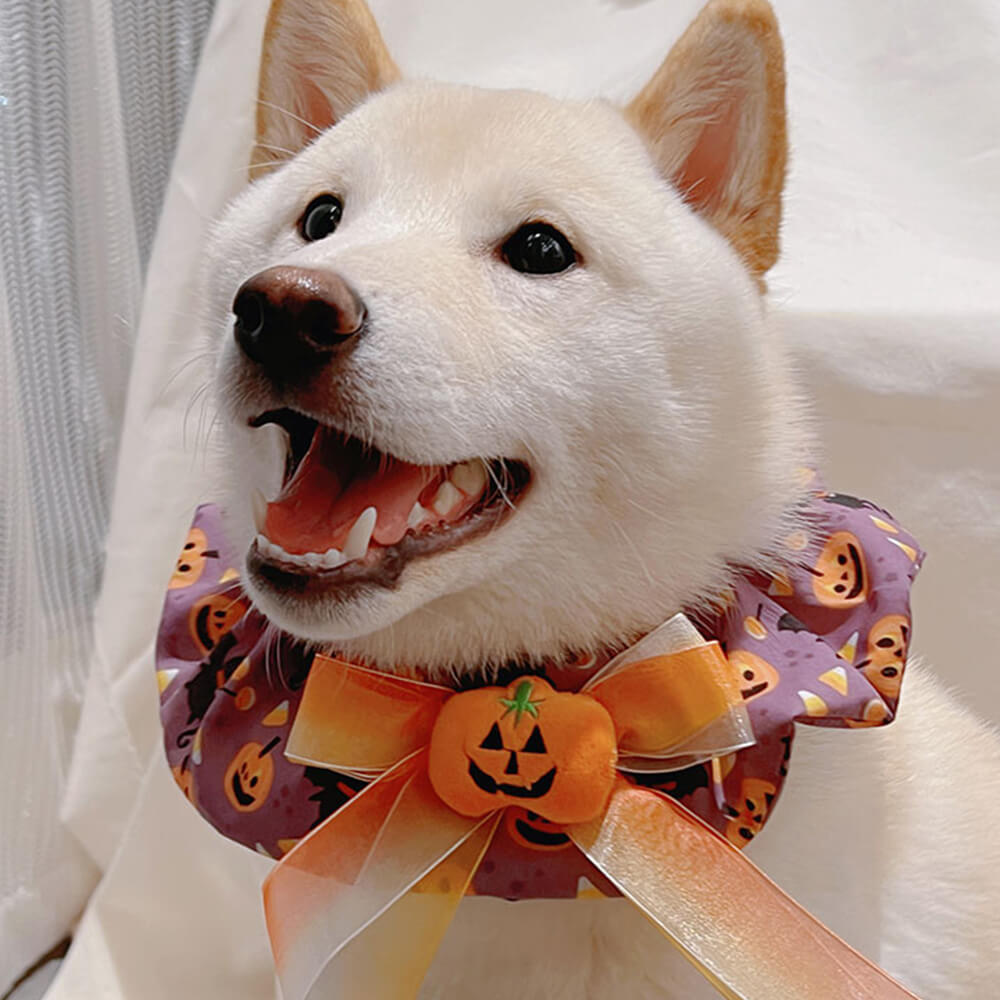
184, 777
249, 777
840, 577
756, 796
525, 745
530, 830
192, 560
757, 676
213, 616
887, 645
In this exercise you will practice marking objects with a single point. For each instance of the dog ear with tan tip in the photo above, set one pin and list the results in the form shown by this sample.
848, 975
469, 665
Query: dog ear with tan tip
320, 59
713, 116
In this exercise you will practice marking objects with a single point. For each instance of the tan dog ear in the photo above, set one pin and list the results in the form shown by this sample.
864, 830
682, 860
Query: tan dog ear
320, 59
713, 116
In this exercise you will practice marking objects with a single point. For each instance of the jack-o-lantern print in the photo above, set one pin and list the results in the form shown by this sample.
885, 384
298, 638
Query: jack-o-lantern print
529, 829
192, 560
183, 775
747, 818
524, 745
250, 775
888, 641
839, 575
757, 676
213, 616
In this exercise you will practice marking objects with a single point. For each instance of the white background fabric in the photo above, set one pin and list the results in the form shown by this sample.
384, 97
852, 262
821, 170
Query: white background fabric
887, 290
92, 94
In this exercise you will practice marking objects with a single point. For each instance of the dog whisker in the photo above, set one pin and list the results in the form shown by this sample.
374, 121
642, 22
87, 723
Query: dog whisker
202, 356
635, 551
501, 487
291, 114
197, 396
277, 149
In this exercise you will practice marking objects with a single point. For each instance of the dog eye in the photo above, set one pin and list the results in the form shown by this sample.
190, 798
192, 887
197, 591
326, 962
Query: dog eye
321, 217
538, 248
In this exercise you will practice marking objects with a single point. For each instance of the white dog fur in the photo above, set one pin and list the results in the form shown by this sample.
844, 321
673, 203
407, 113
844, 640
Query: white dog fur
654, 405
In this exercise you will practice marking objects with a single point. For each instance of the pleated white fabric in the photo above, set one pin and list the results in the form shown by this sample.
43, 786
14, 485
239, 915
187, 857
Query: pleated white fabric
92, 94
887, 290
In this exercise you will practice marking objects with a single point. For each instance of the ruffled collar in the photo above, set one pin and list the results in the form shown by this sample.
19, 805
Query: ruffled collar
822, 642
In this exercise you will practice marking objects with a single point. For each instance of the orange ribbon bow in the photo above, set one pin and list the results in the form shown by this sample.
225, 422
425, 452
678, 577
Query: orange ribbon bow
385, 874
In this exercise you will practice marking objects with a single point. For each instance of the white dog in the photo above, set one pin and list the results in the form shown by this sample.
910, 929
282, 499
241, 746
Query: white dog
536, 327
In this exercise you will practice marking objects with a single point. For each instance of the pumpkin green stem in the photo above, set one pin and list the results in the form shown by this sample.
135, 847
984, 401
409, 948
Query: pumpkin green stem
521, 702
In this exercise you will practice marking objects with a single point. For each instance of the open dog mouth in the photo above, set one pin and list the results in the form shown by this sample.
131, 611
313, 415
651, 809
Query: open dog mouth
348, 512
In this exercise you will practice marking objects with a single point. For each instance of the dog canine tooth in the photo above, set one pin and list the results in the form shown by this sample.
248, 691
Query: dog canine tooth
259, 505
469, 477
360, 534
446, 498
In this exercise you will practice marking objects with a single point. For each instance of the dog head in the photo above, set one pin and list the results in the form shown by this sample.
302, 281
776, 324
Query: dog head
500, 361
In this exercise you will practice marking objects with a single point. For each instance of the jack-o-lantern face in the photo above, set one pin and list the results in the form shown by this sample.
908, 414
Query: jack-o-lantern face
248, 779
840, 577
529, 829
213, 616
526, 745
184, 777
888, 642
757, 676
747, 817
192, 560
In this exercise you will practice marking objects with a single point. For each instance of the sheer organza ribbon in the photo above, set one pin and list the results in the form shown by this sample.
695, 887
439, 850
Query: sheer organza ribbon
358, 908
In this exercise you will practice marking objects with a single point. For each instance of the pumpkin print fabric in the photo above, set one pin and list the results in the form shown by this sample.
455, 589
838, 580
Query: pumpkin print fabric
822, 642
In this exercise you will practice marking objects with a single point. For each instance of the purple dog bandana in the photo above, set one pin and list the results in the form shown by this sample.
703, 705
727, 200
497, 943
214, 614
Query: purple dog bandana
823, 642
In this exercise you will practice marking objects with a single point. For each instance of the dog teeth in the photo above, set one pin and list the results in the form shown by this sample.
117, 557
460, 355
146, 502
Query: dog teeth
258, 504
469, 477
272, 549
360, 534
417, 515
332, 558
446, 498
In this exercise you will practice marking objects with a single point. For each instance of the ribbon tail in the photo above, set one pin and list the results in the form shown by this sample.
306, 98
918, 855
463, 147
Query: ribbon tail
722, 912
359, 907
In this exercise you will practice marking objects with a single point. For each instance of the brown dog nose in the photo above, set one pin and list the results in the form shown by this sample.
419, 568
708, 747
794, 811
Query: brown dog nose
290, 319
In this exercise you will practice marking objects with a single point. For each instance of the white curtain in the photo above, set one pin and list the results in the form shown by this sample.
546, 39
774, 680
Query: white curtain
92, 93
887, 290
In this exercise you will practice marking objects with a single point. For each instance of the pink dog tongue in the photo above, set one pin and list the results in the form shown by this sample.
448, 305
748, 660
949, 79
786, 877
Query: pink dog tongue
316, 510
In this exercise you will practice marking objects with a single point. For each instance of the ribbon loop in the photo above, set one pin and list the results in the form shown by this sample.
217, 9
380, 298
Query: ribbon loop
675, 700
664, 701
333, 727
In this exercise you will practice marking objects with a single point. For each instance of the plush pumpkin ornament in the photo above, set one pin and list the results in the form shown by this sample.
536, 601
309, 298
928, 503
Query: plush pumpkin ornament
525, 745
